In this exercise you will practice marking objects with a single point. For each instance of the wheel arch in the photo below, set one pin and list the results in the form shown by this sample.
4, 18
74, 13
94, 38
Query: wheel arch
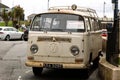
7, 35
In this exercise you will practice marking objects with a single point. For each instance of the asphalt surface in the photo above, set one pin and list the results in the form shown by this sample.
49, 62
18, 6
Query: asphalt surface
12, 66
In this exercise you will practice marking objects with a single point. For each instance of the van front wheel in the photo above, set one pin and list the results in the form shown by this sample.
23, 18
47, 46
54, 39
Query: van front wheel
37, 71
96, 62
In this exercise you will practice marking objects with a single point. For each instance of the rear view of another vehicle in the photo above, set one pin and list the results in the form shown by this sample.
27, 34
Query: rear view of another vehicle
2, 34
7, 33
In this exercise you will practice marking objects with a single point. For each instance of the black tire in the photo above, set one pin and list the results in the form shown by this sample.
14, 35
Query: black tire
97, 59
85, 73
37, 71
96, 62
25, 39
7, 38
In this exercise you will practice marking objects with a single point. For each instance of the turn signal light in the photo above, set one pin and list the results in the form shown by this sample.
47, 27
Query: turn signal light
78, 60
30, 58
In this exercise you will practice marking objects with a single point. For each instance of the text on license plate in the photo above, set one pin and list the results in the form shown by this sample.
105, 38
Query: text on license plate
53, 66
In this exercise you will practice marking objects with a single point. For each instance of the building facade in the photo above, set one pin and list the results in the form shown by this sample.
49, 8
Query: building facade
2, 6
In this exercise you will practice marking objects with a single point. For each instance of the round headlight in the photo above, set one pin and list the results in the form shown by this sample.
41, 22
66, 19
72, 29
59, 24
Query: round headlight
34, 48
75, 50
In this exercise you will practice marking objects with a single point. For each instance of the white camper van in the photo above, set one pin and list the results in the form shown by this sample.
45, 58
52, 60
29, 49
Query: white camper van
64, 38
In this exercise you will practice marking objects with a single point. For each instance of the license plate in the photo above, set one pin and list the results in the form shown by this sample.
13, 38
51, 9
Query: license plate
53, 66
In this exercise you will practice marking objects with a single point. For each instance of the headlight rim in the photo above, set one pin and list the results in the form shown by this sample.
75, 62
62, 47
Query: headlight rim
33, 50
74, 52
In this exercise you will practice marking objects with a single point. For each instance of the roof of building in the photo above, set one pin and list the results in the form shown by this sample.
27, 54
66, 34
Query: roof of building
3, 6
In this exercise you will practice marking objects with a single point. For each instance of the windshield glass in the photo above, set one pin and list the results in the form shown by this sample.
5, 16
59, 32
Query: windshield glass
58, 22
0, 29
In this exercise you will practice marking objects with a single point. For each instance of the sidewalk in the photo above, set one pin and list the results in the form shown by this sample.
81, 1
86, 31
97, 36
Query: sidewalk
108, 71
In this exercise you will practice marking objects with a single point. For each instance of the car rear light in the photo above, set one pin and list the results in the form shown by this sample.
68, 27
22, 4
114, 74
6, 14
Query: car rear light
1, 33
104, 35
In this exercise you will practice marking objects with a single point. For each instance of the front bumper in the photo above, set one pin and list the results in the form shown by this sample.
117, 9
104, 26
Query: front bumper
64, 65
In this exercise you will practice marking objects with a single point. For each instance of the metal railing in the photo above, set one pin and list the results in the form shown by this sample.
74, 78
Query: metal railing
90, 11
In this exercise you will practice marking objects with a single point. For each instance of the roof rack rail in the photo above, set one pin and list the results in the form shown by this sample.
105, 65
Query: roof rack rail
81, 9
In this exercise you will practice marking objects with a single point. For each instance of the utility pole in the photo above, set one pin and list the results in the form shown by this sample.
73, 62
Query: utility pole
112, 51
104, 9
48, 4
0, 7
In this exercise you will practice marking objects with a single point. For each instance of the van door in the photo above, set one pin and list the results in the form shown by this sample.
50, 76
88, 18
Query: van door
89, 39
96, 37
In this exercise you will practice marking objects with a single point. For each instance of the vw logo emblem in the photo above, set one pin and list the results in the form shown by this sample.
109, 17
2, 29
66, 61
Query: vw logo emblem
53, 48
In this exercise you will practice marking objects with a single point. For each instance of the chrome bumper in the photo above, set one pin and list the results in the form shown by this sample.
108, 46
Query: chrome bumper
64, 65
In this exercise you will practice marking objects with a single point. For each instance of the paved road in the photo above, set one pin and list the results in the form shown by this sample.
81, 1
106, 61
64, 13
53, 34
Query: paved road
12, 65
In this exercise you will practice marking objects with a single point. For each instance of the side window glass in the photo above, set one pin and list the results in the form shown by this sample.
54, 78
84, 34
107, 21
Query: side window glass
88, 24
36, 24
47, 23
94, 25
10, 29
14, 29
5, 29
56, 23
0, 29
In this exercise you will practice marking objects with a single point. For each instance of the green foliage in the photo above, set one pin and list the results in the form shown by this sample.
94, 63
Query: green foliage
3, 23
17, 14
10, 23
5, 16
27, 23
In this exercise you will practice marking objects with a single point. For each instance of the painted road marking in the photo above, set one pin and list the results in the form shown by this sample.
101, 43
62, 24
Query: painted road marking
28, 71
19, 78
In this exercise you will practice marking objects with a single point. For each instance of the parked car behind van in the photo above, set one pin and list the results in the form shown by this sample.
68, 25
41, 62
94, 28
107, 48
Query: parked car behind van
7, 33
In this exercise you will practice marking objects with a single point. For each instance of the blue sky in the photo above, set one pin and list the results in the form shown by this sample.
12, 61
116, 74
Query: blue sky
37, 6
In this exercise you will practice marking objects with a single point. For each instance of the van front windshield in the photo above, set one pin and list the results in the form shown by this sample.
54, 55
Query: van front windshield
58, 23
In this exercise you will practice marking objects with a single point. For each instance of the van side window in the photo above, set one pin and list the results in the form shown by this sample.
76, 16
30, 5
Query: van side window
88, 27
94, 25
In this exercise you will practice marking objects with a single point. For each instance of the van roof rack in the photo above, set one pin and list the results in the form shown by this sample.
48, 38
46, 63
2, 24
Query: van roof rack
81, 9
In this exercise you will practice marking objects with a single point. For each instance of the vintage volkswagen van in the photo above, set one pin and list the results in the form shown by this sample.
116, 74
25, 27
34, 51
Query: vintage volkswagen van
64, 38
